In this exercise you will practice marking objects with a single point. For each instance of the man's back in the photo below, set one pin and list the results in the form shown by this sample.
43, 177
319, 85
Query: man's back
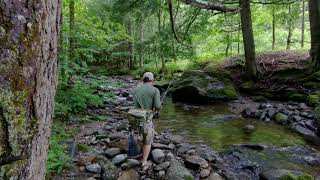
147, 97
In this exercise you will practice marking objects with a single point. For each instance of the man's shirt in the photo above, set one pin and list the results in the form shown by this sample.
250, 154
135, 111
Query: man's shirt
147, 97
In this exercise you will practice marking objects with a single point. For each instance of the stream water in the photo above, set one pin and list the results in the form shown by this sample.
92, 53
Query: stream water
216, 126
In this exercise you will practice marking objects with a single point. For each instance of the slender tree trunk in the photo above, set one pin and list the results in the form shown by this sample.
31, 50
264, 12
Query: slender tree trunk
28, 64
289, 28
163, 63
302, 23
239, 32
131, 44
141, 53
248, 40
273, 27
314, 16
72, 31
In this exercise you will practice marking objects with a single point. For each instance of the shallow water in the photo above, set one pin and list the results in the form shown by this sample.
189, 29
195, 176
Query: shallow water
216, 126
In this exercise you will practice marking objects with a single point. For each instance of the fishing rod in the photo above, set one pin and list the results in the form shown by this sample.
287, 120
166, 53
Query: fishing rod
166, 91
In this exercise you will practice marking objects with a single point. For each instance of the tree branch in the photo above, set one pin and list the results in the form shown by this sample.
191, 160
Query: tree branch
209, 5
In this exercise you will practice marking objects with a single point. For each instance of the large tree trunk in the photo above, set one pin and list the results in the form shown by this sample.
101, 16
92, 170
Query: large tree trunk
28, 63
71, 31
302, 23
314, 16
273, 27
248, 40
289, 28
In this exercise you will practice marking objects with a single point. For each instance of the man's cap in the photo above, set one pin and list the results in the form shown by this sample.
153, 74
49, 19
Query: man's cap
148, 75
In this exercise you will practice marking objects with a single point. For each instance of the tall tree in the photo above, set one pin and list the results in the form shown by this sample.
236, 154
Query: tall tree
71, 31
302, 23
273, 27
314, 16
248, 40
289, 28
28, 57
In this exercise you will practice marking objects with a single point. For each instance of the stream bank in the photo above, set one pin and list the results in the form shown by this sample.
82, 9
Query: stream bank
174, 154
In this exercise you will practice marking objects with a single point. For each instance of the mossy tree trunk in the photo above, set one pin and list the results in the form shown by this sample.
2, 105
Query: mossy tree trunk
248, 40
28, 64
314, 16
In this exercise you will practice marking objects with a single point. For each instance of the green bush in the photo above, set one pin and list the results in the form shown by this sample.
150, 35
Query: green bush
75, 99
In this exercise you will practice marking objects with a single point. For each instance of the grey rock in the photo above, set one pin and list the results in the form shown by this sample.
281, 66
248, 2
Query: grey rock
176, 139
109, 171
276, 174
132, 163
214, 176
119, 159
110, 153
177, 172
204, 173
94, 168
160, 146
304, 131
157, 155
195, 162
161, 174
162, 166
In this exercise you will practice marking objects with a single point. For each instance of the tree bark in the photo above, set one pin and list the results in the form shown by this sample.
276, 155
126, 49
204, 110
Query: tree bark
71, 31
248, 40
289, 28
302, 23
28, 64
273, 27
314, 16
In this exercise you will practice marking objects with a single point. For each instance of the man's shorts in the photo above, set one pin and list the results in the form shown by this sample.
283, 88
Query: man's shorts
148, 132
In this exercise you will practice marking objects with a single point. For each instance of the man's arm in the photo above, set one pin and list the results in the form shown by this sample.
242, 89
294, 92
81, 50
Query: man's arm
156, 100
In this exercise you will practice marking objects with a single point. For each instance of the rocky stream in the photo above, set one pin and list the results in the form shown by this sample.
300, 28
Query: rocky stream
236, 138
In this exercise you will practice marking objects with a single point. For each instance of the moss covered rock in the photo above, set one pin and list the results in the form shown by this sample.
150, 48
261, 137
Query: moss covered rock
281, 118
198, 86
314, 99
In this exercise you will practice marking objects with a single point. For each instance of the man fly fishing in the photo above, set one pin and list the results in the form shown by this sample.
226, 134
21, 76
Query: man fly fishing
146, 99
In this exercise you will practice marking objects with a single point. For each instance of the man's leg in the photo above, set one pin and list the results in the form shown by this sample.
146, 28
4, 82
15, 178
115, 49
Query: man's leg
148, 133
146, 151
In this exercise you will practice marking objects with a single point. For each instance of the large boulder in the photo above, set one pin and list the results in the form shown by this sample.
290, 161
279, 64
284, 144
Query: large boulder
177, 172
198, 86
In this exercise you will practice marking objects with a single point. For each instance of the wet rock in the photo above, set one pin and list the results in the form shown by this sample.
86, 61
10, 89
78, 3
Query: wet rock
119, 159
207, 154
202, 87
214, 176
110, 153
277, 174
162, 166
109, 171
195, 162
160, 146
132, 163
94, 168
84, 160
176, 139
129, 175
249, 128
177, 172
204, 173
304, 131
184, 147
157, 155
281, 118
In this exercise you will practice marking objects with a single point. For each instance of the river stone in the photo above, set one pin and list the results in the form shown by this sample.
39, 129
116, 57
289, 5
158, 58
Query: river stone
119, 159
162, 166
214, 176
177, 172
109, 171
129, 175
204, 173
132, 163
110, 153
277, 174
198, 86
157, 155
94, 168
281, 118
304, 131
176, 139
195, 162
249, 128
